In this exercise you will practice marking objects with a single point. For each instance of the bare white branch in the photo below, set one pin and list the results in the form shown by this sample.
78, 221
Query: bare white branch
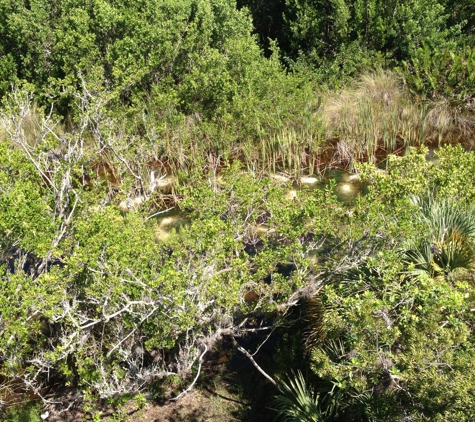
194, 381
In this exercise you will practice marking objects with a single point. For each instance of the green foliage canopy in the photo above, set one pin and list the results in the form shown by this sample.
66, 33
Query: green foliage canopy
394, 336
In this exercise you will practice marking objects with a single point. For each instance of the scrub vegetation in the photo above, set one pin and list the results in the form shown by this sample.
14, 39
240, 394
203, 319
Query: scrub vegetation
187, 181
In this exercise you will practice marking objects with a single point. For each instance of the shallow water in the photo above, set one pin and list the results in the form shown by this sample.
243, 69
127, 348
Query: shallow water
348, 185
347, 188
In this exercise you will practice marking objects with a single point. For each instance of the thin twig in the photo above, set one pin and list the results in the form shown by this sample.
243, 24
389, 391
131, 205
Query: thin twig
160, 212
245, 352
132, 332
194, 381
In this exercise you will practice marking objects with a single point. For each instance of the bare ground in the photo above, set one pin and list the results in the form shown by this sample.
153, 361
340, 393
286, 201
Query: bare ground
222, 394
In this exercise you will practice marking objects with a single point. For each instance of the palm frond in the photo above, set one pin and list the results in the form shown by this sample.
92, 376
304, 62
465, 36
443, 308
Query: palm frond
443, 216
297, 402
449, 242
456, 251
420, 259
314, 315
335, 349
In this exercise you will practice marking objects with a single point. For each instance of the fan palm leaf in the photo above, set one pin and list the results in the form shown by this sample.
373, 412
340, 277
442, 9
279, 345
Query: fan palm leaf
449, 241
314, 316
297, 402
456, 251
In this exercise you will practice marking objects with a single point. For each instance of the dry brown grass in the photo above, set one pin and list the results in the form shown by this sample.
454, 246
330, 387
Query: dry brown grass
377, 113
446, 123
374, 112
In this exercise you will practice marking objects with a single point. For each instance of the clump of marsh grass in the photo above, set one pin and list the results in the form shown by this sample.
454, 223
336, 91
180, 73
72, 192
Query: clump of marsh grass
446, 123
285, 151
375, 112
344, 153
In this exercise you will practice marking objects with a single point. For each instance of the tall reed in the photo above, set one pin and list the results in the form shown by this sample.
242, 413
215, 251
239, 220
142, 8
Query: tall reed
292, 149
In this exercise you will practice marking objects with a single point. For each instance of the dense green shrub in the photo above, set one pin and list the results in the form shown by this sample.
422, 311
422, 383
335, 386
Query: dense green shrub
442, 73
393, 335
29, 412
94, 298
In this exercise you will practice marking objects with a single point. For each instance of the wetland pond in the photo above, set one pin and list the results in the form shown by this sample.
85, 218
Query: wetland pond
346, 186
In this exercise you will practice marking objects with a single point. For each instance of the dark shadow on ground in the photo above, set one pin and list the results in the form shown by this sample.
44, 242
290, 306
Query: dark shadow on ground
231, 376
